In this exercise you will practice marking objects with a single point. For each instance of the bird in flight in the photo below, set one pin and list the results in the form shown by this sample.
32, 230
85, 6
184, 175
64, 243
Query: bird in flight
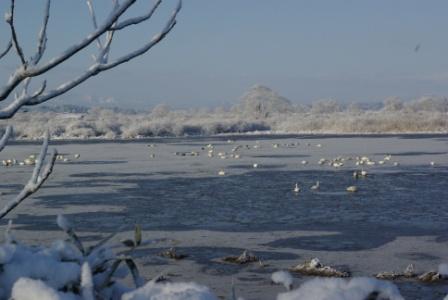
417, 47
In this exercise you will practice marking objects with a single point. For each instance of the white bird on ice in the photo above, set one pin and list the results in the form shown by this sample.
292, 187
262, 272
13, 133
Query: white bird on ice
316, 186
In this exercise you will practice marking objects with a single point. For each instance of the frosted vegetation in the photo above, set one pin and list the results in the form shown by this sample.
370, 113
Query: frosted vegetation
260, 109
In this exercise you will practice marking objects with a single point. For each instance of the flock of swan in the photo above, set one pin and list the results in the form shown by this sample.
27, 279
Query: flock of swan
31, 160
361, 162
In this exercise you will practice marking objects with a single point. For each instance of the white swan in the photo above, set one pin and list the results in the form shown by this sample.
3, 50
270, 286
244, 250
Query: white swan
352, 189
296, 188
316, 186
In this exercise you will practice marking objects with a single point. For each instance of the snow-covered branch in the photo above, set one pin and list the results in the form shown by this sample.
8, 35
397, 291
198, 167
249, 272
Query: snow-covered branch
98, 67
5, 137
137, 20
42, 36
8, 47
95, 24
9, 18
39, 176
21, 73
155, 40
108, 28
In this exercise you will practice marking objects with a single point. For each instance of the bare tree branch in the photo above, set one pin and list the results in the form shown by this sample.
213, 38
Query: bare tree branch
155, 40
95, 25
104, 54
95, 69
5, 137
42, 37
38, 177
10, 20
20, 74
8, 47
137, 20
20, 101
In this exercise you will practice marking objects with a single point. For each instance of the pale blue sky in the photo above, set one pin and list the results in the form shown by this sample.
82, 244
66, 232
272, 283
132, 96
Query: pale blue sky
350, 50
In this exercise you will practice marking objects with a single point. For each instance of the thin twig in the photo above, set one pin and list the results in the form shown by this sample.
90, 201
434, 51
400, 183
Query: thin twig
42, 36
137, 20
20, 74
15, 41
8, 47
92, 71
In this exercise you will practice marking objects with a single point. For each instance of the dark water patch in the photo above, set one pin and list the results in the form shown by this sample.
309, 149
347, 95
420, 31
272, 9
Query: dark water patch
417, 256
82, 199
351, 237
11, 186
167, 173
105, 183
347, 241
386, 205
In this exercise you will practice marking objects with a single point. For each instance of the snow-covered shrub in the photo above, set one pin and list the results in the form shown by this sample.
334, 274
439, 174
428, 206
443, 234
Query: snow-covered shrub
340, 289
392, 104
325, 107
66, 269
261, 109
170, 291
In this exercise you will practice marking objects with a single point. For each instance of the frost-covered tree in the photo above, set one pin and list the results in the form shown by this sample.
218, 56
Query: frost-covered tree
392, 104
325, 106
354, 108
262, 102
16, 92
160, 111
429, 103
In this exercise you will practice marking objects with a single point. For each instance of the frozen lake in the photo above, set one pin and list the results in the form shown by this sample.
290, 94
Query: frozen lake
398, 216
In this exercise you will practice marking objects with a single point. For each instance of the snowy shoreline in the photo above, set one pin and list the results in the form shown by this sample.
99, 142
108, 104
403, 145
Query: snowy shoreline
254, 134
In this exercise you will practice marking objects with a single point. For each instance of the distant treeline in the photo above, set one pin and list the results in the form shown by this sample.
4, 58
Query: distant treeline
260, 109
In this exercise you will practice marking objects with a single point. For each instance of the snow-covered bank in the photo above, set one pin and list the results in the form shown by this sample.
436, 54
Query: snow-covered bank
260, 110
109, 125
